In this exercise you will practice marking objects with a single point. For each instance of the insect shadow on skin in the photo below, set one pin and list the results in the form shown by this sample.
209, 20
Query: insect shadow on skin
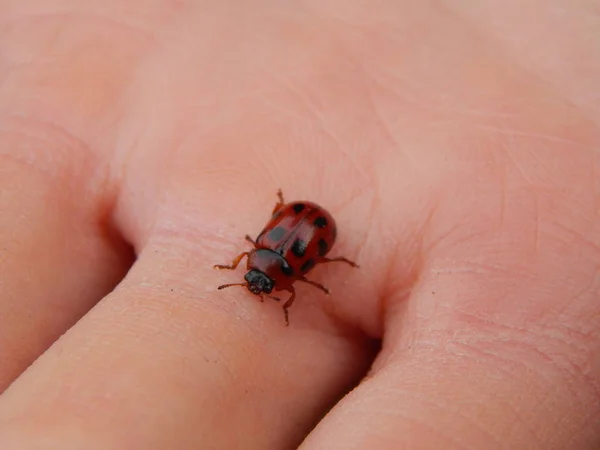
298, 236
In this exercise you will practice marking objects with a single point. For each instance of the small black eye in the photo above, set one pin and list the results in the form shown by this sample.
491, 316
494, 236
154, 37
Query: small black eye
321, 222
298, 207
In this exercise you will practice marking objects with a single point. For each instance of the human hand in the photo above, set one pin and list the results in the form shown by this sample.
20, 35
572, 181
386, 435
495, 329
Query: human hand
455, 144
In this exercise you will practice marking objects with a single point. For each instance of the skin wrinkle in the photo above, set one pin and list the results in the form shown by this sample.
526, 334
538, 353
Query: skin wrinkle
568, 363
319, 119
542, 65
470, 266
405, 98
538, 76
448, 406
12, 159
399, 94
432, 345
399, 442
582, 335
506, 366
432, 107
549, 331
422, 85
203, 347
421, 422
287, 111
535, 136
29, 125
513, 159
368, 78
47, 134
51, 168
565, 368
80, 160
442, 239
572, 368
536, 219
135, 31
46, 62
578, 237
567, 309
503, 188
407, 420
56, 52
507, 363
595, 188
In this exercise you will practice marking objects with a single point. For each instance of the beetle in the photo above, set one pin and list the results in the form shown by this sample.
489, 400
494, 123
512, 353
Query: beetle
298, 236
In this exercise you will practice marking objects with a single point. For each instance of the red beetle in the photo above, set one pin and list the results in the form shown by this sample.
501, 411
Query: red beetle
296, 239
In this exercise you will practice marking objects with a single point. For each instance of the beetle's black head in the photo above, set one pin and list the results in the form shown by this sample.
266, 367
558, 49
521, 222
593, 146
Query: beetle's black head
259, 282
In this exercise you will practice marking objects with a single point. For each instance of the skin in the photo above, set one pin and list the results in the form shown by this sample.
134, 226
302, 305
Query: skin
456, 144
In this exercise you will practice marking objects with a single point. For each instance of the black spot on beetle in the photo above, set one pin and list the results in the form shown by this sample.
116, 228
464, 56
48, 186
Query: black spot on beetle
323, 247
299, 248
287, 269
309, 264
298, 207
277, 233
321, 222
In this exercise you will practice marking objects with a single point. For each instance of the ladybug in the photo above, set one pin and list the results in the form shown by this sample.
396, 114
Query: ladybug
296, 239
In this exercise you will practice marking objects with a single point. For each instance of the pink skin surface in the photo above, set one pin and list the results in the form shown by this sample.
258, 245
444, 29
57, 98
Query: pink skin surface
455, 143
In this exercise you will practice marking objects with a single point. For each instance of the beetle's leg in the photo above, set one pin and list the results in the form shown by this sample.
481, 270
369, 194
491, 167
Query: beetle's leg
279, 203
287, 305
249, 239
315, 284
339, 259
234, 264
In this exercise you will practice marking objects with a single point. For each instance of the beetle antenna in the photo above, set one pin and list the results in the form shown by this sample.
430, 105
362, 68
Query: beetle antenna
223, 286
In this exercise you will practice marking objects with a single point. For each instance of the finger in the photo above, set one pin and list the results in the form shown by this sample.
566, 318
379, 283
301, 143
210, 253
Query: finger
181, 364
57, 254
498, 345
466, 380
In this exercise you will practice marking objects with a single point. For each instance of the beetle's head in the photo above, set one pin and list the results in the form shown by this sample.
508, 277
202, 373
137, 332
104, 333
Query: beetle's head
258, 282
